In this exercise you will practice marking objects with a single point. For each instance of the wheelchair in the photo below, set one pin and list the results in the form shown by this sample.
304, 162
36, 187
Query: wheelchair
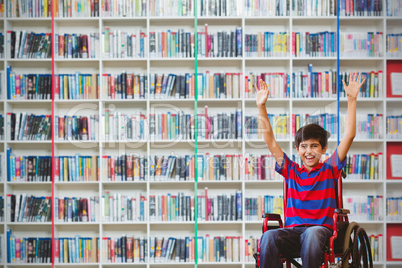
349, 245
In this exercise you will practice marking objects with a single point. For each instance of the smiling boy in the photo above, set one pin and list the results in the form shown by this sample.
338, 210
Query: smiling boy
311, 197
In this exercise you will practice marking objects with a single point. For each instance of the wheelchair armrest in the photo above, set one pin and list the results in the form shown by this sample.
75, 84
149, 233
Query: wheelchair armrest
342, 211
272, 216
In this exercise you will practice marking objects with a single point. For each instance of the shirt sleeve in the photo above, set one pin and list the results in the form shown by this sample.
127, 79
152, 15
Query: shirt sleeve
283, 169
335, 164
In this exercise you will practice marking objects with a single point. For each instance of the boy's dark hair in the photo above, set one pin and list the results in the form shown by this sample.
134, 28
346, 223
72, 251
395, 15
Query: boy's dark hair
312, 131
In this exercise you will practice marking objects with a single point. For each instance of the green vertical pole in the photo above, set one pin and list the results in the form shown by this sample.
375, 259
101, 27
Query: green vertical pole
195, 135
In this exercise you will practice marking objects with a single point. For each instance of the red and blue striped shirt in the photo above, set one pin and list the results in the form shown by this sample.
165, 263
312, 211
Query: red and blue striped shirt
311, 196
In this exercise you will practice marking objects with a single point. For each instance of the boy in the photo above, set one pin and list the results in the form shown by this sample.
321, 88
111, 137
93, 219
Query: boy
311, 193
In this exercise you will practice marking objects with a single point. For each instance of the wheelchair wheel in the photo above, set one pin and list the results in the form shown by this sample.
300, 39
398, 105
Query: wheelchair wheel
356, 248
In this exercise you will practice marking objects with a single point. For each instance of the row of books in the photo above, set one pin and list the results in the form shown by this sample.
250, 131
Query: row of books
171, 126
29, 8
221, 8
394, 208
393, 45
314, 84
255, 207
126, 167
371, 88
306, 44
377, 247
124, 249
76, 86
27, 44
172, 167
260, 167
76, 168
122, 126
220, 207
122, 44
305, 8
125, 8
76, 8
28, 249
75, 46
394, 8
29, 86
278, 84
182, 249
28, 208
394, 127
325, 120
76, 249
219, 167
360, 9
266, 8
171, 44
77, 127
1, 44
77, 209
220, 126
29, 168
126, 85
364, 208
266, 44
221, 43
124, 208
171, 207
279, 125
364, 166
368, 126
359, 44
27, 126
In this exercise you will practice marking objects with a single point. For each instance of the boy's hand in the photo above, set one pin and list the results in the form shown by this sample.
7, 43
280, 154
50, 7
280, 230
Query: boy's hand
352, 90
262, 94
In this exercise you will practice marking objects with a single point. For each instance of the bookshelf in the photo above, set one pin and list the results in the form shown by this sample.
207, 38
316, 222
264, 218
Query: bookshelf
156, 21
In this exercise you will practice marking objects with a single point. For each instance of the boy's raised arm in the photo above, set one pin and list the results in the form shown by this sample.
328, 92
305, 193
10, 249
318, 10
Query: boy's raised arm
352, 90
269, 138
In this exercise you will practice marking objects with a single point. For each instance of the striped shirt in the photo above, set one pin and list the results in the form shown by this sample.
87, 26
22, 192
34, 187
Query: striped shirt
311, 196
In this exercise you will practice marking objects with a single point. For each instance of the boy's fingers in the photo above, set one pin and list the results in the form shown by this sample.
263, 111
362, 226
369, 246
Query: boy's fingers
364, 80
256, 87
358, 79
344, 84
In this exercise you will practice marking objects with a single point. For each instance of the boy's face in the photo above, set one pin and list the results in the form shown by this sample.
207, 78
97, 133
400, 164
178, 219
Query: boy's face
310, 152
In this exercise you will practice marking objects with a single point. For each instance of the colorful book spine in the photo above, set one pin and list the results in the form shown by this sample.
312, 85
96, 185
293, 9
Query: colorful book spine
120, 126
372, 87
350, 8
127, 85
394, 8
266, 44
29, 9
358, 44
220, 249
29, 168
260, 167
314, 84
27, 44
171, 207
124, 208
77, 8
29, 86
314, 8
124, 249
325, 120
77, 249
121, 44
27, 126
176, 8
230, 8
219, 167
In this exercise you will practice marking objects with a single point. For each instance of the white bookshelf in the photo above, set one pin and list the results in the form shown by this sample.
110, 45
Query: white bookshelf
148, 147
